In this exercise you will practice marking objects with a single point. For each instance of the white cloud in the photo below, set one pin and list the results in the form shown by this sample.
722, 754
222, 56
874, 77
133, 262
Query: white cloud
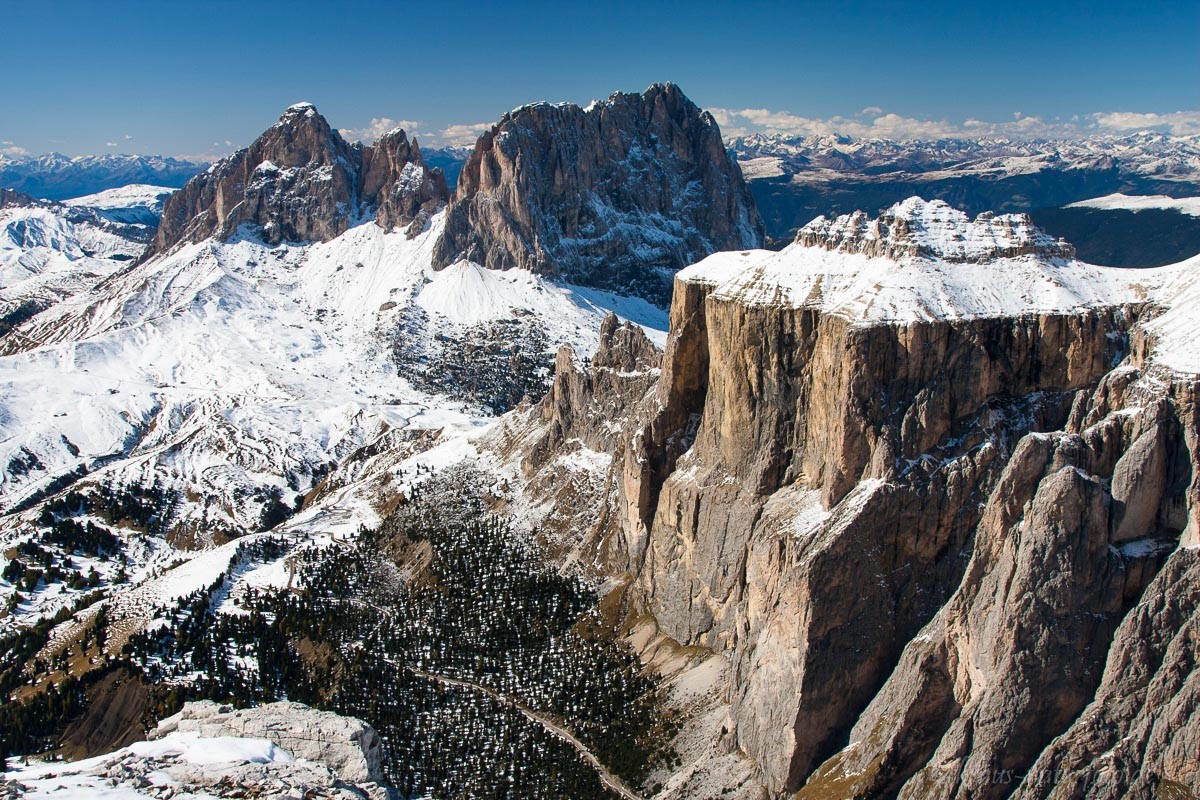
463, 135
128, 137
377, 127
110, 144
1179, 123
874, 122
10, 148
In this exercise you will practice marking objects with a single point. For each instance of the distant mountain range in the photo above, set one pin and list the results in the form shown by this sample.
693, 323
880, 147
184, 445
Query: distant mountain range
55, 176
795, 179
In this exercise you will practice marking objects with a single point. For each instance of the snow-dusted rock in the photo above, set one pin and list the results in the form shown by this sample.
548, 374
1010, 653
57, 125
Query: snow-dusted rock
300, 181
934, 230
348, 746
277, 751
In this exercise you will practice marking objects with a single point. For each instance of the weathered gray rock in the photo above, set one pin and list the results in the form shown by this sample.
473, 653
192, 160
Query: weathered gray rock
348, 746
1140, 734
280, 751
618, 195
301, 181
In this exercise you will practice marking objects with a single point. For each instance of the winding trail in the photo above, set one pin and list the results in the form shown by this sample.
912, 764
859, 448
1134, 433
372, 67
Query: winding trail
610, 780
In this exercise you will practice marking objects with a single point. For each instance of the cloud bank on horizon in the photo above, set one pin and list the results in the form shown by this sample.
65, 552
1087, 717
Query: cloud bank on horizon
874, 122
871, 122
464, 135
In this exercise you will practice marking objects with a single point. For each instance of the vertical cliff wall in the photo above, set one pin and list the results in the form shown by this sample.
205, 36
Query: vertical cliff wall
925, 544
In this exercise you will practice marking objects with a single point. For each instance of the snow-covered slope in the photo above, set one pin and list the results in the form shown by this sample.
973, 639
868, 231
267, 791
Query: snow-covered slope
136, 204
231, 376
50, 251
1127, 202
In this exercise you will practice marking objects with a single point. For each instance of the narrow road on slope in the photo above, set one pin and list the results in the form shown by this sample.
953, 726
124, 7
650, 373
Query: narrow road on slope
607, 778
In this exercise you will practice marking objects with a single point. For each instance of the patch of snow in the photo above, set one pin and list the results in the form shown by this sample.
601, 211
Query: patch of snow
466, 294
135, 194
1128, 202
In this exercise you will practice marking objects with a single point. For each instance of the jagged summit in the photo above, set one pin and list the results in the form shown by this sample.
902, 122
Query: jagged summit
917, 228
301, 181
617, 195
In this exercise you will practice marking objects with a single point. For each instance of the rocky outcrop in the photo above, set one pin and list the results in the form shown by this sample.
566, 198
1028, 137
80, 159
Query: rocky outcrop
396, 181
580, 422
276, 751
348, 746
618, 195
10, 197
1138, 736
1019, 650
934, 229
301, 181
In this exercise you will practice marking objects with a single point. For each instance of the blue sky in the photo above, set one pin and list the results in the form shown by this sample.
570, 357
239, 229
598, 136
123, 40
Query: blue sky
186, 78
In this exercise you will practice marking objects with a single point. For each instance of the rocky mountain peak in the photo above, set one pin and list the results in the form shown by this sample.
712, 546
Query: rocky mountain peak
10, 197
617, 195
917, 228
301, 181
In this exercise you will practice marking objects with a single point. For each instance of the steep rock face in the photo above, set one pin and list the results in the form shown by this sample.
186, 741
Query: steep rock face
825, 453
916, 528
301, 181
617, 195
1139, 735
397, 182
1019, 650
585, 414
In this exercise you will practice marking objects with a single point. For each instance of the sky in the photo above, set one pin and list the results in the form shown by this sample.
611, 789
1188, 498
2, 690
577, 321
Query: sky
200, 79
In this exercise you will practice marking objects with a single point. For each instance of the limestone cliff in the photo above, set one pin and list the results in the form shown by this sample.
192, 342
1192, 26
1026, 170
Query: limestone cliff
617, 195
921, 519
